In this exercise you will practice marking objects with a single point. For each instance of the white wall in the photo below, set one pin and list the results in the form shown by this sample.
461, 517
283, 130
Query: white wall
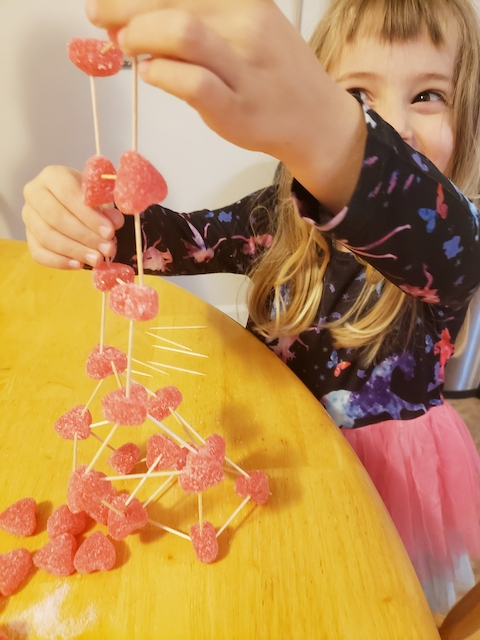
46, 118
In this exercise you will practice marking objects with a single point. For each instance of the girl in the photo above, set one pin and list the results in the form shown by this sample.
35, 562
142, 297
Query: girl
363, 256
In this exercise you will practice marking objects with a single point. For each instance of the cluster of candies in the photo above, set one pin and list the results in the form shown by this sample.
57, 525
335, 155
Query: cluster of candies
196, 466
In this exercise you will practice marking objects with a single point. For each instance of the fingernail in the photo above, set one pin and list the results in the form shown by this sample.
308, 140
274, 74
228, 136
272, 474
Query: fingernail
74, 264
91, 259
105, 248
120, 36
106, 232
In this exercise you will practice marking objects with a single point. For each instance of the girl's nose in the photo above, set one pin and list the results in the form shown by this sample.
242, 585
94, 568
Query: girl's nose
397, 117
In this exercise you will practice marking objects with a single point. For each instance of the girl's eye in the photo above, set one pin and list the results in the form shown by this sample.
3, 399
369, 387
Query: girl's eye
429, 96
358, 93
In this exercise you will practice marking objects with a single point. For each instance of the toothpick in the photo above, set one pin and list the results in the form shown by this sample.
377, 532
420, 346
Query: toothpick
129, 358
142, 373
234, 515
150, 367
169, 529
169, 366
138, 476
115, 373
108, 176
186, 353
144, 479
175, 344
100, 451
99, 424
158, 491
184, 327
95, 115
197, 435
134, 104
90, 400
114, 509
107, 47
172, 434
187, 431
139, 247
94, 435
75, 441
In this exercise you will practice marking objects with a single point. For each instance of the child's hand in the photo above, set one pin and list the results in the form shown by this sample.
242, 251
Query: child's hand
253, 79
62, 232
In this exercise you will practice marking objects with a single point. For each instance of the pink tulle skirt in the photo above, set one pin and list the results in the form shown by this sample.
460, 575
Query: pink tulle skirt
427, 472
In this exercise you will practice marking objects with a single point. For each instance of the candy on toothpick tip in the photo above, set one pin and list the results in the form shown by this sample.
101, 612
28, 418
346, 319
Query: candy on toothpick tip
87, 490
14, 568
159, 445
201, 472
56, 557
255, 486
138, 184
106, 276
99, 363
205, 541
63, 520
215, 446
134, 517
20, 518
76, 421
164, 401
125, 458
96, 553
98, 191
95, 57
127, 411
134, 301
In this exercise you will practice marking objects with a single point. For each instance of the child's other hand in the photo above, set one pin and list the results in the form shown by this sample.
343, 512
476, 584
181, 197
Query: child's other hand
62, 232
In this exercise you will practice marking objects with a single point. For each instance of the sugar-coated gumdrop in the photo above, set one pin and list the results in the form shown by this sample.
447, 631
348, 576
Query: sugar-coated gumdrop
170, 452
96, 553
215, 447
99, 365
164, 399
134, 517
95, 57
96, 190
56, 557
205, 541
105, 276
138, 184
255, 486
20, 518
119, 409
14, 568
76, 421
134, 301
125, 458
87, 490
63, 520
201, 472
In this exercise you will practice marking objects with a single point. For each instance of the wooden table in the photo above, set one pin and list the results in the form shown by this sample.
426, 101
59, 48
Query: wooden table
320, 560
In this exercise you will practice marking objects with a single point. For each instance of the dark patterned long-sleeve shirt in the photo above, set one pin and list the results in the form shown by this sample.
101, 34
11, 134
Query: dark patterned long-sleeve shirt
405, 218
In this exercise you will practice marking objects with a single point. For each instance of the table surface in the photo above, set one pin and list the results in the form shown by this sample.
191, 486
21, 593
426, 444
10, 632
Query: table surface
320, 560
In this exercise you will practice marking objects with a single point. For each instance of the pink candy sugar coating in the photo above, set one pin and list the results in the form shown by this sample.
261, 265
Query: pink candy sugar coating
201, 472
14, 568
134, 301
205, 541
63, 520
99, 365
86, 491
105, 276
86, 54
135, 517
125, 458
96, 190
138, 184
131, 411
20, 518
171, 453
96, 553
56, 557
215, 447
164, 399
255, 486
74, 422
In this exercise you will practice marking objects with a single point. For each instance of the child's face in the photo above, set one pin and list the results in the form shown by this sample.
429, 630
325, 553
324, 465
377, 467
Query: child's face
410, 85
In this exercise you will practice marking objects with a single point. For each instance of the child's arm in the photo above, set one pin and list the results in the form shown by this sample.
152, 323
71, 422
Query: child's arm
252, 78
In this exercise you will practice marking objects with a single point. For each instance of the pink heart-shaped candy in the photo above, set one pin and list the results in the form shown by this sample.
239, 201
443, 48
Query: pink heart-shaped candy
138, 184
20, 518
96, 553
76, 421
87, 490
119, 409
255, 486
205, 541
104, 277
170, 452
164, 399
14, 568
96, 190
201, 472
95, 57
56, 557
134, 517
99, 365
125, 458
134, 301
214, 446
63, 520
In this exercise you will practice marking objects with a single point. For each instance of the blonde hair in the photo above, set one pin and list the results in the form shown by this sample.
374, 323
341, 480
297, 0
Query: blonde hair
287, 281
